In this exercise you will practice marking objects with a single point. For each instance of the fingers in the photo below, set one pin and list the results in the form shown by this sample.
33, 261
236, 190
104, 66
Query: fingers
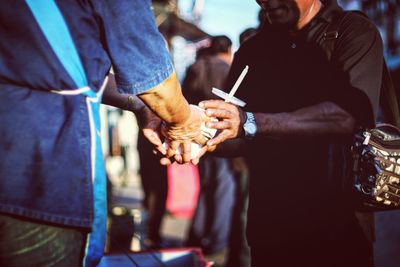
165, 161
159, 150
183, 154
229, 119
186, 151
230, 129
220, 109
172, 147
153, 137
179, 151
205, 149
220, 125
178, 158
200, 139
214, 104
222, 113
224, 135
201, 153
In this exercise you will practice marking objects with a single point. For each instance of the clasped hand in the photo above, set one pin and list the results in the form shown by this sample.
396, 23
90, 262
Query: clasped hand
180, 136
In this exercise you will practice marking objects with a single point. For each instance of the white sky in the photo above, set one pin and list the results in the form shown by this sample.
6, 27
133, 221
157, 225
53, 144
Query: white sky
228, 17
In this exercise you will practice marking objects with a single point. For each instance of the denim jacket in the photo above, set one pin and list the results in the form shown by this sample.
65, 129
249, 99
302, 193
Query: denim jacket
44, 137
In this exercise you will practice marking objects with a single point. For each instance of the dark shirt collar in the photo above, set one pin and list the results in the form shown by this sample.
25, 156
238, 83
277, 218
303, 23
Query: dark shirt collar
329, 10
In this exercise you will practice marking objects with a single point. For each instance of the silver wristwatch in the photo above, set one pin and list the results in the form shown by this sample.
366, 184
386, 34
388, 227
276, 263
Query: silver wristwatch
250, 126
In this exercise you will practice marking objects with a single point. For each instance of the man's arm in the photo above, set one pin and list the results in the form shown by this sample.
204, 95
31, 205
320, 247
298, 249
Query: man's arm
165, 99
323, 119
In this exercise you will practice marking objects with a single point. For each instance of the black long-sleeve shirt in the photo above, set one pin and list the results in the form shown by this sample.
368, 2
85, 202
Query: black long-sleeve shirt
296, 198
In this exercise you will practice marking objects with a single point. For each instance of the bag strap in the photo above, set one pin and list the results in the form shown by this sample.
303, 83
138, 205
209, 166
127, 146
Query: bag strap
331, 34
388, 96
381, 125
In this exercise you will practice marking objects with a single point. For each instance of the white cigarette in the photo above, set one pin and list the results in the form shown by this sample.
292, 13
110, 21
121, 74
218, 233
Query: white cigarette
237, 83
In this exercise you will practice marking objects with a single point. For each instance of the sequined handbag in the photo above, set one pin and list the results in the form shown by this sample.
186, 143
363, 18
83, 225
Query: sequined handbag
375, 183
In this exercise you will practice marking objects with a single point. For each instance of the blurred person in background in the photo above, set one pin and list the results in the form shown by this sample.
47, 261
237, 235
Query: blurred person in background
154, 180
211, 224
55, 57
209, 70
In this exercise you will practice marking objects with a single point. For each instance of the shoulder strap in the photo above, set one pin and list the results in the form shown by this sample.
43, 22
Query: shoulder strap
330, 36
389, 99
55, 29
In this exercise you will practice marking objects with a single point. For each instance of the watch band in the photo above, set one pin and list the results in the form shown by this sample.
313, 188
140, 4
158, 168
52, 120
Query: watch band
250, 126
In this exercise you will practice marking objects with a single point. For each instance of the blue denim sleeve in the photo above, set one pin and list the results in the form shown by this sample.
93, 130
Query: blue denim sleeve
137, 50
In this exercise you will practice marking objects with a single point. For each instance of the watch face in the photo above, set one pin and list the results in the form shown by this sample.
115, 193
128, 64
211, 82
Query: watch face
250, 128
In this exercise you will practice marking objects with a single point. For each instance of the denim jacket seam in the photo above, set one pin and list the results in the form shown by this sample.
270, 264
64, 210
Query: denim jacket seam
41, 215
158, 77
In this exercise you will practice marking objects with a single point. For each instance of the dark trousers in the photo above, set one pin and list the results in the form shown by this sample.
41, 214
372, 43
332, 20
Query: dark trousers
239, 250
211, 223
155, 186
28, 243
351, 249
262, 256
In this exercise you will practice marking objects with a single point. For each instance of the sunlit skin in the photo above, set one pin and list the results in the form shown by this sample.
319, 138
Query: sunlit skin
294, 14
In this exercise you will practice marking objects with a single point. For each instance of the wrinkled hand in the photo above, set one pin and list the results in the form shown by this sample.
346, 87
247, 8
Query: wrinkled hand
182, 135
230, 122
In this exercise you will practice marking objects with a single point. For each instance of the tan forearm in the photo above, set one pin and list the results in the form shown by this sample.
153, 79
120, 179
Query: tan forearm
166, 100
